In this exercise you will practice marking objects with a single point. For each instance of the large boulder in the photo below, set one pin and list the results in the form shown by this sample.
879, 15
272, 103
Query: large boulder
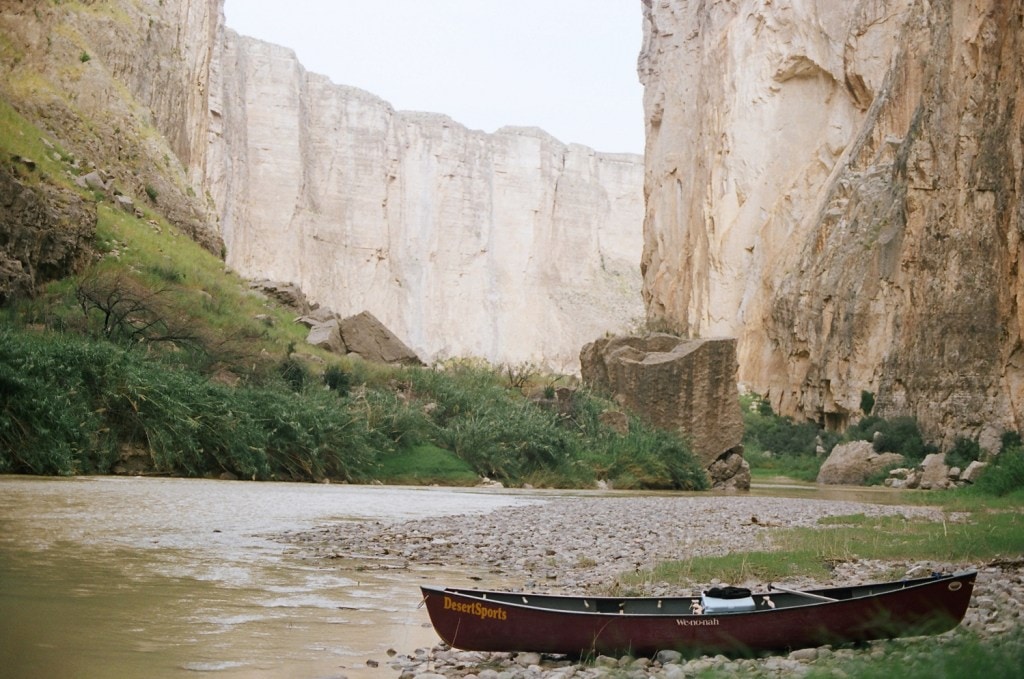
327, 336
854, 462
973, 471
365, 336
730, 472
935, 472
684, 385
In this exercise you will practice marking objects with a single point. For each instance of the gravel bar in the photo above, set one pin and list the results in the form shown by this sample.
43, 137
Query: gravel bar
584, 544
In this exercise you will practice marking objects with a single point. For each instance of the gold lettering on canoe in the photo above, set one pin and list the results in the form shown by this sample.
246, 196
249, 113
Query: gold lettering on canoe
696, 622
476, 609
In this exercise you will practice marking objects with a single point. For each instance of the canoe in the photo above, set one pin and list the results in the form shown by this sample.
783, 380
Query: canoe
777, 619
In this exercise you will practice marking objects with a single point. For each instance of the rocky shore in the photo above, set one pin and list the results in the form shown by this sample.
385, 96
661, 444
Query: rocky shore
585, 543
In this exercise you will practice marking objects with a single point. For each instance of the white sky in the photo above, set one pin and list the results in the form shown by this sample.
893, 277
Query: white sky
567, 66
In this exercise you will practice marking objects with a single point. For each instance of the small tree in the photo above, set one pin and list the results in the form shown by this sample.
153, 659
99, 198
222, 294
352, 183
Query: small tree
130, 314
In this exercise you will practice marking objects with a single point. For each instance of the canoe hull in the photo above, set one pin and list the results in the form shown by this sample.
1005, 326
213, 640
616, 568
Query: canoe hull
494, 621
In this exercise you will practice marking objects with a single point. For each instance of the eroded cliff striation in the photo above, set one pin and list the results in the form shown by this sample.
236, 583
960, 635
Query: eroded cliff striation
509, 246
839, 186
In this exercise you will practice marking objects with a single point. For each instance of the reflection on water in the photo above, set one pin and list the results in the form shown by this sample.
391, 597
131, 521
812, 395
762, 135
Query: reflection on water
104, 577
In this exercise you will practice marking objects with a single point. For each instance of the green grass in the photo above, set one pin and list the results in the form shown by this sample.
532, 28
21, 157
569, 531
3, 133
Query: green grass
426, 465
812, 552
959, 656
21, 138
803, 467
736, 568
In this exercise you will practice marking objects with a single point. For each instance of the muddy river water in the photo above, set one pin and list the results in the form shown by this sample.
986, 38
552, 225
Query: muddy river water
136, 577
143, 577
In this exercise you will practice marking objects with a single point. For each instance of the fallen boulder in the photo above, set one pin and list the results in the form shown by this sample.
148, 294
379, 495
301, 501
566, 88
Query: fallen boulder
935, 472
368, 338
854, 462
327, 336
678, 384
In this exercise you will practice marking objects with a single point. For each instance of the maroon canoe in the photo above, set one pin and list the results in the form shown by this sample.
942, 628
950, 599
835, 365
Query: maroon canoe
778, 619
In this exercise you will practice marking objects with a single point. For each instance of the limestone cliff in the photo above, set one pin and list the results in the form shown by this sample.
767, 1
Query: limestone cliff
839, 186
509, 246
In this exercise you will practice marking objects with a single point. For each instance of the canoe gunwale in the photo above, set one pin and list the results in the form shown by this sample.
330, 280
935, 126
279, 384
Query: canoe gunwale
793, 599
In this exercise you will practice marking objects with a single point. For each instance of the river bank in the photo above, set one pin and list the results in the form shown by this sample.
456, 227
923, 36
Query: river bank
585, 544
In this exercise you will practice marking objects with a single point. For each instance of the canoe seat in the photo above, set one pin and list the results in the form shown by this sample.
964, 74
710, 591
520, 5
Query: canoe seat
713, 605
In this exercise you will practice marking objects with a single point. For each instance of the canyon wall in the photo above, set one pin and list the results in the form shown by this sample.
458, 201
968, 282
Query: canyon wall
510, 246
839, 186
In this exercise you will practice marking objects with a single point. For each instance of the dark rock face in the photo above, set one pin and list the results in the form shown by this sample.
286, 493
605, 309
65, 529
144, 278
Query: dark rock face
45, 233
676, 384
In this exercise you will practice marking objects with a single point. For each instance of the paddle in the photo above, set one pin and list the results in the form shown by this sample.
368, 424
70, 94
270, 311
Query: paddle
798, 592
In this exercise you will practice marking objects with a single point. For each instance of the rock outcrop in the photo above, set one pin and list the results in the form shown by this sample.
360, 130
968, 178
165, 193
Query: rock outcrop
364, 336
680, 385
46, 233
839, 185
509, 246
122, 86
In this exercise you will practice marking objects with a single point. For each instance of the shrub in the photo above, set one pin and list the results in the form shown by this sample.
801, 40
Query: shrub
963, 452
66, 404
337, 380
1010, 439
394, 421
1004, 475
46, 427
294, 373
647, 458
898, 435
867, 402
765, 431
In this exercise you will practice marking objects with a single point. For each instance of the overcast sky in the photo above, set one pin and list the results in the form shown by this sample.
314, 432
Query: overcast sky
567, 66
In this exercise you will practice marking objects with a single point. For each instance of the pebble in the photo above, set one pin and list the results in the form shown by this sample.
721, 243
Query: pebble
583, 544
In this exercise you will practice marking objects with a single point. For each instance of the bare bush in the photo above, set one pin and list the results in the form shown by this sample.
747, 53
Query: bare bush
128, 313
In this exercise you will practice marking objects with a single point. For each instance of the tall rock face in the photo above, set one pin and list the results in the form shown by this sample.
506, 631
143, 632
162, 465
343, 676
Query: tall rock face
839, 185
509, 246
122, 86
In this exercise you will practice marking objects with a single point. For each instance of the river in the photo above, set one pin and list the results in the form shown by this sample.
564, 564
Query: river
143, 577
149, 577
